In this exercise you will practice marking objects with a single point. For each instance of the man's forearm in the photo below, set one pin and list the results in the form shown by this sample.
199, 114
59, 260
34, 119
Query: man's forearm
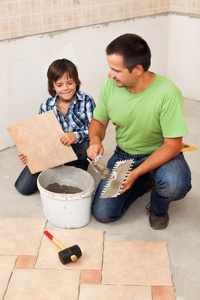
170, 149
159, 157
97, 131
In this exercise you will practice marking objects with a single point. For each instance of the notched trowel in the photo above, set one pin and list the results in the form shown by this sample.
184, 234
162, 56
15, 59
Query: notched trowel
120, 171
99, 168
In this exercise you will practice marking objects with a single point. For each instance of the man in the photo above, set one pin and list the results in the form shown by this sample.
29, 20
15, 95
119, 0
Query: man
147, 111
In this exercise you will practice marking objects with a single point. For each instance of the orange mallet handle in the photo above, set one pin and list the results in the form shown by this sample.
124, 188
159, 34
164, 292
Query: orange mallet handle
54, 240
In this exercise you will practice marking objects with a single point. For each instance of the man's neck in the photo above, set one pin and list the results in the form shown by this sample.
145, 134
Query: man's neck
143, 83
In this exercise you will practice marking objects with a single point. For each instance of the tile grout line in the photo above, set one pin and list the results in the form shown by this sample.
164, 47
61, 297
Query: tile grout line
79, 287
45, 225
102, 256
9, 279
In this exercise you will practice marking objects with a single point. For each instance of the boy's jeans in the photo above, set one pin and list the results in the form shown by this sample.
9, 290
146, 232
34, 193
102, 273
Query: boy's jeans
173, 182
26, 183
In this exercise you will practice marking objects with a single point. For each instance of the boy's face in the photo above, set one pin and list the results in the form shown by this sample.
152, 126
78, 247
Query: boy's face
65, 88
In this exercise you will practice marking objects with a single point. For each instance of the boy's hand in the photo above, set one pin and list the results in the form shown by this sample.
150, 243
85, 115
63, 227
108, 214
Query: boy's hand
68, 138
23, 158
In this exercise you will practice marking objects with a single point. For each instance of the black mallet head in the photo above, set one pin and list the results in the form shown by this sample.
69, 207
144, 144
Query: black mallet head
67, 255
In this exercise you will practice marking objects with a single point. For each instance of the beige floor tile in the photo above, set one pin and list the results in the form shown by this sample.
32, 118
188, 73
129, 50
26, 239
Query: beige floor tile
7, 264
138, 263
91, 276
26, 262
21, 236
163, 293
32, 284
90, 242
116, 292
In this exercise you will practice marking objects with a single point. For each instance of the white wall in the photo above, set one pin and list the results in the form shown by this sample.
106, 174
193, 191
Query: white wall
24, 63
183, 65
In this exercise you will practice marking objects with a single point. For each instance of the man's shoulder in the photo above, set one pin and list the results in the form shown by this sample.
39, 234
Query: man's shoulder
164, 81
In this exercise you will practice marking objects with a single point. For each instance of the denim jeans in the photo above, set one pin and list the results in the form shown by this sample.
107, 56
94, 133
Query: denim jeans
26, 183
173, 182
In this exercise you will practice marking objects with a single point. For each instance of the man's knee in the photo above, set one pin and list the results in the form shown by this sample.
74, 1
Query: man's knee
173, 188
105, 212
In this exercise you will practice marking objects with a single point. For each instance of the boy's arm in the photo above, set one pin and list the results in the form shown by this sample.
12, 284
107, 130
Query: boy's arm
97, 131
89, 108
23, 158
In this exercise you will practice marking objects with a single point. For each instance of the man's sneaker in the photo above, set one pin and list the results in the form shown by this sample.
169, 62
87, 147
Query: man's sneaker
157, 222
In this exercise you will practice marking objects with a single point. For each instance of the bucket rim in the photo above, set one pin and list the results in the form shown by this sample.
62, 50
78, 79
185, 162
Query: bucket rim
61, 196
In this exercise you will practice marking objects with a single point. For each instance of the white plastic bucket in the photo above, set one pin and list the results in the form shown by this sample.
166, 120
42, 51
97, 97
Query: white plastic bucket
66, 210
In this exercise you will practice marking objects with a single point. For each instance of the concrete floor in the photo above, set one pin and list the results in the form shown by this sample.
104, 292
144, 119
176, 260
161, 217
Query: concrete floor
182, 235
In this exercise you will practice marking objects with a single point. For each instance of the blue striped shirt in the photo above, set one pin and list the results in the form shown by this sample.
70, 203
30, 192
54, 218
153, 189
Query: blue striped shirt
78, 116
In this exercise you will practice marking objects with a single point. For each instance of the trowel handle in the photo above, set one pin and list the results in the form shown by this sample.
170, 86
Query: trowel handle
54, 240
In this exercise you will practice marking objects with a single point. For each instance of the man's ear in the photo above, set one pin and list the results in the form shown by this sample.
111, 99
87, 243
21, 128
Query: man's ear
139, 70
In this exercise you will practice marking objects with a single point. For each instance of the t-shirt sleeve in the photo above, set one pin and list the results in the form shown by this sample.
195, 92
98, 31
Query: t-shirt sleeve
172, 116
101, 112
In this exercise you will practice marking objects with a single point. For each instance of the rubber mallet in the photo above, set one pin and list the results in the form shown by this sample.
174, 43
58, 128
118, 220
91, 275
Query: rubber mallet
67, 255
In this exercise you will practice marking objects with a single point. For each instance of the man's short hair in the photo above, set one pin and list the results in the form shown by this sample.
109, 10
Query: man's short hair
133, 48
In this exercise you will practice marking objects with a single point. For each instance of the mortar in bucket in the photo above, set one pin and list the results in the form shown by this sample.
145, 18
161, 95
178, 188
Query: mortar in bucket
66, 210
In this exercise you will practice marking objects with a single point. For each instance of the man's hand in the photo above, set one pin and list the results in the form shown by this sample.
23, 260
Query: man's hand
68, 138
129, 181
95, 150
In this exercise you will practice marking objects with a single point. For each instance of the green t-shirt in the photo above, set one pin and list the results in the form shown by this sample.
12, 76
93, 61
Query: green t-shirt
142, 120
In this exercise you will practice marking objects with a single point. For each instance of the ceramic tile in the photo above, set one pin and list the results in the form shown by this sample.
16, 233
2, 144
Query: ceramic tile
163, 293
34, 284
89, 241
139, 263
25, 262
28, 137
6, 267
21, 236
117, 292
91, 276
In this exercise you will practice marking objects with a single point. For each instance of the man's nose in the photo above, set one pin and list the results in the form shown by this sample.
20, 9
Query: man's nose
110, 74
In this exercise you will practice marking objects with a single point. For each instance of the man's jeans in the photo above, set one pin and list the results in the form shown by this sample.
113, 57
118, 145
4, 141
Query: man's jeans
26, 183
173, 182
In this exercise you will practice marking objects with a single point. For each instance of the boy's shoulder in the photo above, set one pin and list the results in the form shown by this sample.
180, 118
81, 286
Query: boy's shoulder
83, 96
50, 101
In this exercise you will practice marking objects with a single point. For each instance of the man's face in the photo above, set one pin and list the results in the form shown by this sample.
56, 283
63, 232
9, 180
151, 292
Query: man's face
119, 73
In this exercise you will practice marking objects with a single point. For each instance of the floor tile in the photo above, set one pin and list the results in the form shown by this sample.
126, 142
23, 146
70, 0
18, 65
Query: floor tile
34, 284
163, 293
7, 264
91, 276
138, 263
117, 292
89, 241
25, 262
21, 236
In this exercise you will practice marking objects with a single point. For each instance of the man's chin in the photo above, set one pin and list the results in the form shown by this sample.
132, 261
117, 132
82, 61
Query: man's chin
119, 84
